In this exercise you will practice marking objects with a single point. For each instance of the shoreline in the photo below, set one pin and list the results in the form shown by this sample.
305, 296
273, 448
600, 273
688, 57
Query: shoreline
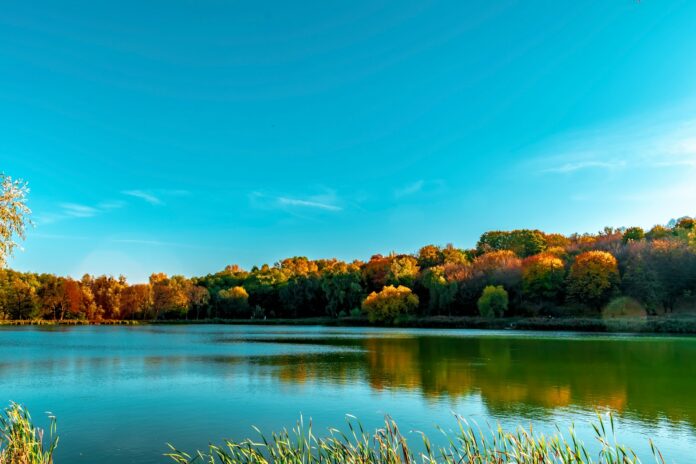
653, 324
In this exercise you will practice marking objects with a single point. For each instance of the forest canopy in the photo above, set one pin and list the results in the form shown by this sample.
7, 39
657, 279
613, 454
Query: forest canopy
518, 273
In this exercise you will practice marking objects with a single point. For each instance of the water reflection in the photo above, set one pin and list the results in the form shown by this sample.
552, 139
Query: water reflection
140, 387
644, 378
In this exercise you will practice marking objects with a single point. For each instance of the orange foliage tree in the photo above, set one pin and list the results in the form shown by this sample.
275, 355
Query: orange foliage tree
593, 277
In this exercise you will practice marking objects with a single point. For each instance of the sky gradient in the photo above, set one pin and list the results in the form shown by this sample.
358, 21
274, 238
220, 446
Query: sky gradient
184, 136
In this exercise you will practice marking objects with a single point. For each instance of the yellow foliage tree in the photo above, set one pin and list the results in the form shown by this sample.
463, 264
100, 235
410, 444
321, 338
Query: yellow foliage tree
593, 276
390, 303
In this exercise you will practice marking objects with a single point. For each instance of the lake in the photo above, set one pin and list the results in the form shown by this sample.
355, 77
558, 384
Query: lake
121, 393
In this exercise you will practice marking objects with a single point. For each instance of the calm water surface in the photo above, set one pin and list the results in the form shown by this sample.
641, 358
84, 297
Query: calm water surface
122, 393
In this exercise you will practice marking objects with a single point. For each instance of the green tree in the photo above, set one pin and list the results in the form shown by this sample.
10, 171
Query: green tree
633, 234
342, 290
493, 301
523, 242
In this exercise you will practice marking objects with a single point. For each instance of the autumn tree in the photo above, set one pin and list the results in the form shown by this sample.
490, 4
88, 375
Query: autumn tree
169, 295
136, 300
429, 256
234, 302
658, 232
376, 272
107, 295
543, 276
390, 303
52, 296
14, 214
593, 277
198, 298
403, 270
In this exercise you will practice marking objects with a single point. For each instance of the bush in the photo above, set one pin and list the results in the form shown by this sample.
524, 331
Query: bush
624, 306
493, 301
389, 303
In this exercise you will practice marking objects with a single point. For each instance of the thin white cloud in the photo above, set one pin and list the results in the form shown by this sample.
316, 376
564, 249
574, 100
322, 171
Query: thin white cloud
293, 205
78, 211
108, 205
409, 189
641, 144
580, 165
307, 204
143, 195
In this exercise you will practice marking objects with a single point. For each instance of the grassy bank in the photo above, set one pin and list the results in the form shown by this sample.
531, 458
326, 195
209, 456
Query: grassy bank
684, 324
68, 322
22, 443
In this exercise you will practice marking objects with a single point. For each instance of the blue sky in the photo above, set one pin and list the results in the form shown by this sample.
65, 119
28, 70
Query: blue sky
183, 136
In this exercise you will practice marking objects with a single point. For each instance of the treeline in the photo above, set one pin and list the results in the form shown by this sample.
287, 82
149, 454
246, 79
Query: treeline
515, 273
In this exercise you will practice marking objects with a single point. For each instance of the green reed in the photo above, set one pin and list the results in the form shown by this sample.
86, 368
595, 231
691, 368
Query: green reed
468, 444
23, 443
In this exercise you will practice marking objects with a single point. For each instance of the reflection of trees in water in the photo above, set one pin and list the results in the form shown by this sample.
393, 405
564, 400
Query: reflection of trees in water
646, 379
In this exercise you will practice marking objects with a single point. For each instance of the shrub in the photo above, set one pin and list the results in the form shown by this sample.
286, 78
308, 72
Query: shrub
389, 303
624, 306
493, 301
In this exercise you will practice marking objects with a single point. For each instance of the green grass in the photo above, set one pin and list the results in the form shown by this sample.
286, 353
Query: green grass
468, 445
23, 443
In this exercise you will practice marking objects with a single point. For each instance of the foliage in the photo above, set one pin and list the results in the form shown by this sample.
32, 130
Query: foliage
234, 302
390, 303
624, 306
493, 301
14, 214
543, 276
593, 277
522, 242
537, 270
23, 443
633, 234
403, 270
387, 445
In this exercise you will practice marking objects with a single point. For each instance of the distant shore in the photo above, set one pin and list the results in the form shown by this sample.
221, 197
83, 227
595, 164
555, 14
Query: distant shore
675, 324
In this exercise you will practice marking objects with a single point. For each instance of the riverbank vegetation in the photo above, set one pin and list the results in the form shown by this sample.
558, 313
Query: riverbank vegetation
517, 274
388, 445
21, 442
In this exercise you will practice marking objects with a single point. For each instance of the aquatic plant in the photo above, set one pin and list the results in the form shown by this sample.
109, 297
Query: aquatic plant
23, 443
469, 444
